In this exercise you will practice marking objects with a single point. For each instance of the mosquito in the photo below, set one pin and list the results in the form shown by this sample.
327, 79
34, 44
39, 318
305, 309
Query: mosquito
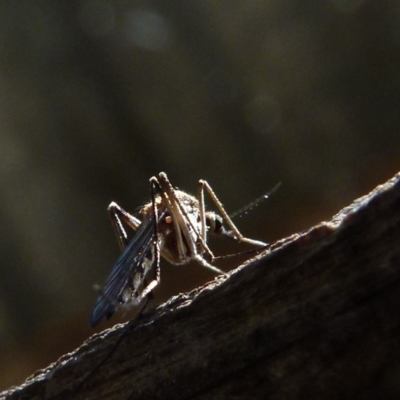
174, 225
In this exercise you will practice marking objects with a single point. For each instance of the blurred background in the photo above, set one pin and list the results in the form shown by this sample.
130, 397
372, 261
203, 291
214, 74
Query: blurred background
97, 96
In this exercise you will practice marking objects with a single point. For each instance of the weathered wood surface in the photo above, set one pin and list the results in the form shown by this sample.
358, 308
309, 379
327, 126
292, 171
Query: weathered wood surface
315, 317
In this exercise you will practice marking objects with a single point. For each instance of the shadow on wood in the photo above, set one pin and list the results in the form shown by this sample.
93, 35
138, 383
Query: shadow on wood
315, 316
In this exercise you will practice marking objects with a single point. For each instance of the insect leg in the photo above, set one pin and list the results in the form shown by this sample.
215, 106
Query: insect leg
203, 229
167, 192
117, 215
205, 186
181, 221
147, 291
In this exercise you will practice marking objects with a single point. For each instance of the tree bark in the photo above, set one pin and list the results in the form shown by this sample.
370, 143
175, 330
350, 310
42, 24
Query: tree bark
316, 316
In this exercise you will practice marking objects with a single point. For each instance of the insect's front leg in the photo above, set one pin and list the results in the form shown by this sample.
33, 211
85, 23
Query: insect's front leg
117, 215
167, 192
155, 252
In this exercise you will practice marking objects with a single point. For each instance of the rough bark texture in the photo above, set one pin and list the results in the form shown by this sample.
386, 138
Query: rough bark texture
314, 317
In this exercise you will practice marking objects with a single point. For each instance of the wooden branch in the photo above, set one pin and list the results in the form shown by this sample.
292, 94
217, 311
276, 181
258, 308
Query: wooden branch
314, 317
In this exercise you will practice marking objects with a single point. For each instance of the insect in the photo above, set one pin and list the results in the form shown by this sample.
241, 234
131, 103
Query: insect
175, 226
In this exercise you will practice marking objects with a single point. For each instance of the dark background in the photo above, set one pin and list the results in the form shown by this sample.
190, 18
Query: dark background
97, 96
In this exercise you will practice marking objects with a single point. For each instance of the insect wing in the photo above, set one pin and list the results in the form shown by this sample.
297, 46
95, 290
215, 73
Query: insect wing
124, 269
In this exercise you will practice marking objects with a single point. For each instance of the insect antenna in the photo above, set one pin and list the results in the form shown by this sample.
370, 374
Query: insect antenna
255, 202
240, 212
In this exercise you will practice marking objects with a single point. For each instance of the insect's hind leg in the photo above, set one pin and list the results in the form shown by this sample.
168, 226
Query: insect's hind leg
204, 185
117, 215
